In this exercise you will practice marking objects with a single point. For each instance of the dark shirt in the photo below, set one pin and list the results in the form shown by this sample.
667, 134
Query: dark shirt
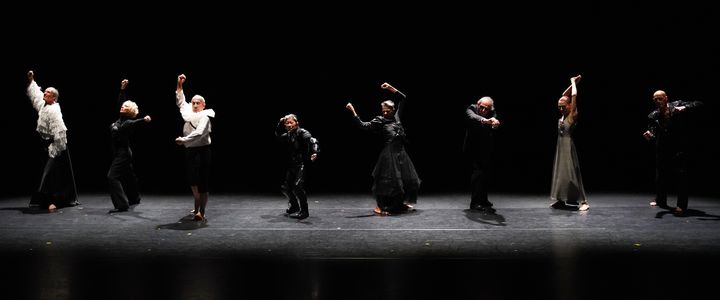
672, 130
390, 128
122, 130
299, 144
478, 136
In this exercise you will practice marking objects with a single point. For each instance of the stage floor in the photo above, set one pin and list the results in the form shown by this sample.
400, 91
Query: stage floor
248, 248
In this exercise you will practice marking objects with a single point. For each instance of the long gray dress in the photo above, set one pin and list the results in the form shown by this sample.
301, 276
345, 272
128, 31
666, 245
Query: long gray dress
567, 182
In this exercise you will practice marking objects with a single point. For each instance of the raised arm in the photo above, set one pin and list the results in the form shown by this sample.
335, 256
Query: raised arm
280, 128
122, 96
399, 99
568, 90
573, 99
179, 94
360, 123
34, 92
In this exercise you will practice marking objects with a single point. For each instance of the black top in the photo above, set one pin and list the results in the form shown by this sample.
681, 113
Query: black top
671, 131
479, 136
391, 129
300, 144
122, 129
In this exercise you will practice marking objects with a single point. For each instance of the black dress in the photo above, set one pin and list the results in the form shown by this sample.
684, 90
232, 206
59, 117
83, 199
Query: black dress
395, 180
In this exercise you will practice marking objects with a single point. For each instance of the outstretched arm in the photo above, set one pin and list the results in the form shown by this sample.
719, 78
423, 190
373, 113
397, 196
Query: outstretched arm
687, 105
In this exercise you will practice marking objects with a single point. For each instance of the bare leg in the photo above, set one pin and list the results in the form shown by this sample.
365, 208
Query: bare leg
203, 203
196, 195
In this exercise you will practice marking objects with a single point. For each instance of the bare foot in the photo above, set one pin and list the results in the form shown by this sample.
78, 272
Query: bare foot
198, 217
52, 207
653, 203
584, 207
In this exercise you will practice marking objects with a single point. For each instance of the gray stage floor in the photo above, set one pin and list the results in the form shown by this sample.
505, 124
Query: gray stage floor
452, 250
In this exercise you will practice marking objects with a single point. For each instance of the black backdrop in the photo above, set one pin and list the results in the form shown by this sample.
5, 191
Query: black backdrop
256, 64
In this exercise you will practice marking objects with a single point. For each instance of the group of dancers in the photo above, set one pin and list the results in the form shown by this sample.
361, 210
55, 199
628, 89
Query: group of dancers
395, 180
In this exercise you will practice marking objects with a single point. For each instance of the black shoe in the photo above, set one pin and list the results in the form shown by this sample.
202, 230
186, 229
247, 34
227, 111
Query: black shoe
558, 204
300, 215
117, 210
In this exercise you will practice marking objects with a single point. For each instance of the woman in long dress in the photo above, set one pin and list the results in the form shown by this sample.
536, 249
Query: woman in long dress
567, 185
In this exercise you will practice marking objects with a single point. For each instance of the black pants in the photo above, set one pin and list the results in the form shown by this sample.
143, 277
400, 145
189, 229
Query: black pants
122, 182
479, 182
198, 160
294, 187
668, 163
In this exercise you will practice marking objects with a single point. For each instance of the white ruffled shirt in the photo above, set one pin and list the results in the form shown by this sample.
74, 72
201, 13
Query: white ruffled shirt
197, 126
50, 123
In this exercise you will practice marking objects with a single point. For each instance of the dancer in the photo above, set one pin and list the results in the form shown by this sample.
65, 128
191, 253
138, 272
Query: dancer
396, 182
567, 185
301, 147
123, 183
57, 184
196, 139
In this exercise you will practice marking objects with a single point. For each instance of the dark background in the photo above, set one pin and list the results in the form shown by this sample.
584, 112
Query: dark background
255, 64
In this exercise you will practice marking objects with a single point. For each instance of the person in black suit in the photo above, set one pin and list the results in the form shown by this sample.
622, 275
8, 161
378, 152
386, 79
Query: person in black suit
301, 148
481, 119
668, 128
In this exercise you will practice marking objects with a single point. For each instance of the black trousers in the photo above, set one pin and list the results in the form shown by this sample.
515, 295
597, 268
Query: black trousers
294, 187
198, 160
479, 182
123, 183
668, 164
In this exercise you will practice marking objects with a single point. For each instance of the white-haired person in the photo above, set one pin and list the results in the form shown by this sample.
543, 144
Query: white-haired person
57, 184
481, 122
196, 139
122, 180
395, 181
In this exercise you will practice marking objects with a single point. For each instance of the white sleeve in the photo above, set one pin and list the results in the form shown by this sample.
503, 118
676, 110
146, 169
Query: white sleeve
36, 95
199, 131
185, 109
